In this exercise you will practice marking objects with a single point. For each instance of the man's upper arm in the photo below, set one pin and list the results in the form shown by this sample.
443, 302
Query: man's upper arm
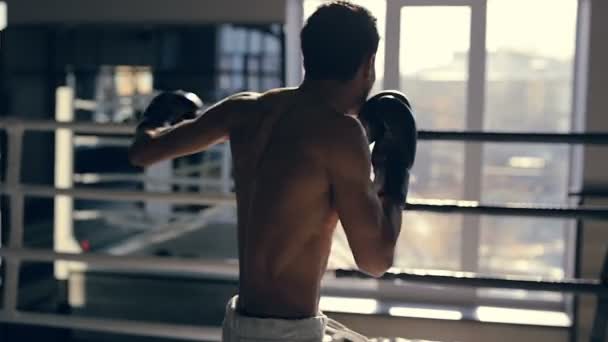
196, 135
356, 201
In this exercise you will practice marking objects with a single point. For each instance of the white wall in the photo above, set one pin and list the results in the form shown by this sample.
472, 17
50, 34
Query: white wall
139, 11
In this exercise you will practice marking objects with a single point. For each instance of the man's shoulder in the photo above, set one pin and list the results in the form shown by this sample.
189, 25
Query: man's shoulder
278, 96
246, 106
279, 91
250, 99
343, 136
243, 98
346, 129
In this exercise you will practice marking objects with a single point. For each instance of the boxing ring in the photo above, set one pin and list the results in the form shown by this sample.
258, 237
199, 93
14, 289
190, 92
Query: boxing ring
14, 254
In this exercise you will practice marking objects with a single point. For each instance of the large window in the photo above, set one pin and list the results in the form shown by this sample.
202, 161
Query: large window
431, 240
249, 59
495, 65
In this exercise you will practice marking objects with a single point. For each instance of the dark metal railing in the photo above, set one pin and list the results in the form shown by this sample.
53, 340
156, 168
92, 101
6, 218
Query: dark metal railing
514, 209
515, 137
469, 279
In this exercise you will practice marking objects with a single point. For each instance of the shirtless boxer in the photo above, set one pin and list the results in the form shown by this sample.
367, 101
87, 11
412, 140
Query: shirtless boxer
301, 162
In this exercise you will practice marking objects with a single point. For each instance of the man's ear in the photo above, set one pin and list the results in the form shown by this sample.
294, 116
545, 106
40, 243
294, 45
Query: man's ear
370, 64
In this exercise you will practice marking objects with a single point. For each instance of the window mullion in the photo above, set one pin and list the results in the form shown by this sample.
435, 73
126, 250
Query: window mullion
474, 121
393, 39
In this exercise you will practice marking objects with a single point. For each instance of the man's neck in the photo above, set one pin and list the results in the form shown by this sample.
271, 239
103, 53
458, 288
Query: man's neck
338, 95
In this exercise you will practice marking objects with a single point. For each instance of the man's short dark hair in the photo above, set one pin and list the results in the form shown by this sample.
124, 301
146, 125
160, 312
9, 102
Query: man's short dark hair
337, 39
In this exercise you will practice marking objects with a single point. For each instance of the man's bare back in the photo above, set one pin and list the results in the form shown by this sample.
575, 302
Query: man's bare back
285, 229
299, 166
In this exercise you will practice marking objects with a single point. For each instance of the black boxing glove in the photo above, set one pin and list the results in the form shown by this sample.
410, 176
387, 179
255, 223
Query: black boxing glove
169, 108
371, 121
390, 123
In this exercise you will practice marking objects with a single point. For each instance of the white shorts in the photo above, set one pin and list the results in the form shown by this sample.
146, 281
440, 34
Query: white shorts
239, 328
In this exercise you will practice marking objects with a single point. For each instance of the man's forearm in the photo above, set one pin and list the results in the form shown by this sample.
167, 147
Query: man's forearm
393, 217
143, 145
146, 132
138, 145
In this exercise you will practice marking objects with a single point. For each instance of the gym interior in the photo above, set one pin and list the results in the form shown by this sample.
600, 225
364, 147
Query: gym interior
505, 233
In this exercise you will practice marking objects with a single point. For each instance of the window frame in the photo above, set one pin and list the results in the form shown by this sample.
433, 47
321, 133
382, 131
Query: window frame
473, 152
250, 80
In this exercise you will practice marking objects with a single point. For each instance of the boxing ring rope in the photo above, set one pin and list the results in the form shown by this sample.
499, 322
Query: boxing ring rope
425, 205
229, 271
511, 137
14, 254
94, 178
470, 279
76, 127
209, 269
459, 136
116, 195
117, 326
509, 209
